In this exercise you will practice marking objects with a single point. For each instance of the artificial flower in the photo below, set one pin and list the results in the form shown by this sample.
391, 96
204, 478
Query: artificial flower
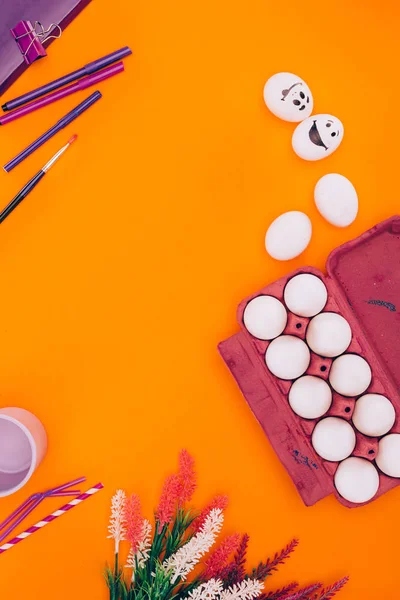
139, 554
187, 557
218, 559
117, 526
162, 558
207, 591
220, 502
247, 590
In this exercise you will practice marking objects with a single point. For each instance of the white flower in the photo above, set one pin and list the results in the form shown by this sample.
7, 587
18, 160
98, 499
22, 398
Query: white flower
247, 590
117, 526
187, 557
207, 591
142, 553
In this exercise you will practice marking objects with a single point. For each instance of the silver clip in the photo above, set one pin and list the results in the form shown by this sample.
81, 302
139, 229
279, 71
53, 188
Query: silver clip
41, 35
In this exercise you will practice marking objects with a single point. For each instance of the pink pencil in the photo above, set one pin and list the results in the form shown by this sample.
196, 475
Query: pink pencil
50, 518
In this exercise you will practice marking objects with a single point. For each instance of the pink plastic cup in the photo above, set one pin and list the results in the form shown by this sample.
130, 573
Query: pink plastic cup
23, 445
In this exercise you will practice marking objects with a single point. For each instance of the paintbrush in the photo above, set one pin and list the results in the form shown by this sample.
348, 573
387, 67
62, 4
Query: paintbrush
34, 181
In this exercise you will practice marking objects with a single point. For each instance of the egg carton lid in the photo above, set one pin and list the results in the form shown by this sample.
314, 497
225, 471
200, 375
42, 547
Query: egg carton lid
366, 273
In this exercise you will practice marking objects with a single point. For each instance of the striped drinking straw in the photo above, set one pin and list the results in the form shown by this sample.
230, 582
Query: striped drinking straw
58, 513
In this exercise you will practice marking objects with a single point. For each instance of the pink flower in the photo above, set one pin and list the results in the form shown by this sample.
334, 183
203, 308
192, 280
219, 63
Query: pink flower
170, 496
178, 489
187, 475
134, 521
220, 502
218, 559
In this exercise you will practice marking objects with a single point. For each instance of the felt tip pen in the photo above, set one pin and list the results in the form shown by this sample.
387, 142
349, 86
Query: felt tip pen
78, 86
88, 69
63, 122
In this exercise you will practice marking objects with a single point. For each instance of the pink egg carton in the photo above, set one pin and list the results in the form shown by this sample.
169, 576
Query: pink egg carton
363, 283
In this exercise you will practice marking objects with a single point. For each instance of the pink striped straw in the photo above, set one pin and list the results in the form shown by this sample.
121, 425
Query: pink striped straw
32, 502
58, 513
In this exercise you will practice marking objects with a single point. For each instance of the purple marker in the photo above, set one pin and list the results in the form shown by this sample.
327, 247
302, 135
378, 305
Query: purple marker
66, 120
78, 86
92, 67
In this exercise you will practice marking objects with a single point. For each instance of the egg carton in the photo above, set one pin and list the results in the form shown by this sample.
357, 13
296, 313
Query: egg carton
363, 283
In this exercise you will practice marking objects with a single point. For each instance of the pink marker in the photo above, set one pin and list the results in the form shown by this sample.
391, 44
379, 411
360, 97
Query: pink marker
82, 84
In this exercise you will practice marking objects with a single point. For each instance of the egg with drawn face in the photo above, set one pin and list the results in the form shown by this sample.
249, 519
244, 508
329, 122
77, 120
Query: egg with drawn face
317, 137
288, 97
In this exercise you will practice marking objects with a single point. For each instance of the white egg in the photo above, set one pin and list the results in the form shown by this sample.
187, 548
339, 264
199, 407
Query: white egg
310, 397
265, 317
336, 199
288, 236
317, 137
350, 375
305, 295
288, 97
287, 357
328, 334
356, 480
374, 415
333, 439
388, 458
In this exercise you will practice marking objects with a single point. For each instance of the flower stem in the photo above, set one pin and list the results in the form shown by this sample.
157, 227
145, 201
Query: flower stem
115, 591
116, 565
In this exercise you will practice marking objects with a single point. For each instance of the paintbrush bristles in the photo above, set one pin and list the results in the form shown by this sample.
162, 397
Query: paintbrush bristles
54, 159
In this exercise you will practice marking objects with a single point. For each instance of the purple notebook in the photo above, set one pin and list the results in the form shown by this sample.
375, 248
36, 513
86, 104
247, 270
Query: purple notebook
61, 12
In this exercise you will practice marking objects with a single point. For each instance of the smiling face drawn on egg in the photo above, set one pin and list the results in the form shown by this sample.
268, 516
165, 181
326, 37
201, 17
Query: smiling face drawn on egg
317, 137
288, 97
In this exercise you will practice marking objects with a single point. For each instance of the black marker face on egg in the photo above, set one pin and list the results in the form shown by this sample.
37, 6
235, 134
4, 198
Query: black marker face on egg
323, 133
297, 95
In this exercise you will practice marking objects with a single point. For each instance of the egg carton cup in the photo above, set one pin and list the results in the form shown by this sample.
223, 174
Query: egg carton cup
363, 283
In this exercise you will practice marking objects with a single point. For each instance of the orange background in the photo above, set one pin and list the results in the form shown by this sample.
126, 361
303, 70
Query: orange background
123, 270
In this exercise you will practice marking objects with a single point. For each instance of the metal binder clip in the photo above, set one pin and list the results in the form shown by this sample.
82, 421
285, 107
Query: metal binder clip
30, 39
